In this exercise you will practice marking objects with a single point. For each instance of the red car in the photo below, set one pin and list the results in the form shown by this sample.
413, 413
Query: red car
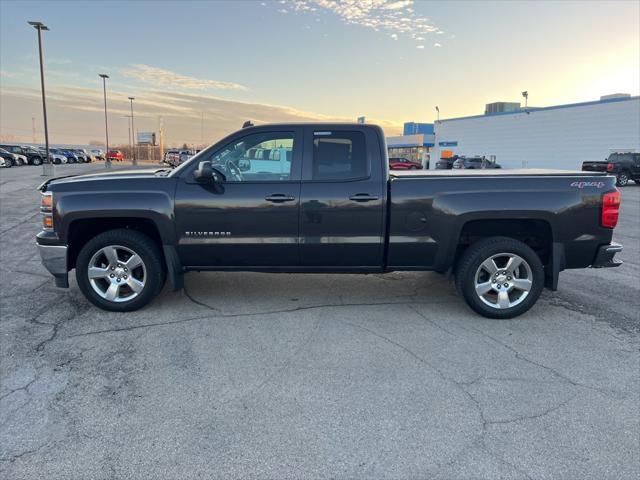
398, 163
115, 155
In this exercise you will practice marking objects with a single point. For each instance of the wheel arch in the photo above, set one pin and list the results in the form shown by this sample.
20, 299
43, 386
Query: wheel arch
537, 233
81, 230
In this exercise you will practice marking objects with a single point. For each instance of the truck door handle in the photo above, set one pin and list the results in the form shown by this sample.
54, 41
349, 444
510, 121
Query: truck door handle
363, 197
279, 198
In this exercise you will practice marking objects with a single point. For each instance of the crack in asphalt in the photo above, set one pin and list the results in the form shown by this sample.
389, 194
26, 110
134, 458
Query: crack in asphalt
24, 387
463, 387
239, 315
552, 370
22, 221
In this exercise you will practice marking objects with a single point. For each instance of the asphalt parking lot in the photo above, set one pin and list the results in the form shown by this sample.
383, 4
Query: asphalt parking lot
245, 375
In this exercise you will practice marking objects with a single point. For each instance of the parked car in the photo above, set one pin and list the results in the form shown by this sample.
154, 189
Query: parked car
399, 163
115, 155
177, 157
11, 158
72, 157
474, 163
446, 163
335, 208
83, 157
97, 154
6, 158
625, 167
32, 158
69, 156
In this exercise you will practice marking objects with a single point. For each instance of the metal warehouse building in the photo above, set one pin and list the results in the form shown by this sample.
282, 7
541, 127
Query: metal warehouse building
561, 136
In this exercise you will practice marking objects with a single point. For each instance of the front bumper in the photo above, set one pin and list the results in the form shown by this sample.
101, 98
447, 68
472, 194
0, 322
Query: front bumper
604, 256
54, 258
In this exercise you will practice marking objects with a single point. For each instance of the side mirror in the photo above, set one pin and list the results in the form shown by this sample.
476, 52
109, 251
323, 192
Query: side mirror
204, 173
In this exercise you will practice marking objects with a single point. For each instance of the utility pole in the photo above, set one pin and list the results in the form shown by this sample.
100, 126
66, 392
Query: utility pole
135, 161
104, 77
33, 130
128, 117
161, 131
202, 129
47, 166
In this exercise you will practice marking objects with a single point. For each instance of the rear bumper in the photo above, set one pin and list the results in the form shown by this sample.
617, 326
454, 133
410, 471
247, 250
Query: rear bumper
605, 256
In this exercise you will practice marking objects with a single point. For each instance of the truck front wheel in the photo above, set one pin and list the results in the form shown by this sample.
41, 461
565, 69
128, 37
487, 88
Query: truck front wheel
500, 277
120, 270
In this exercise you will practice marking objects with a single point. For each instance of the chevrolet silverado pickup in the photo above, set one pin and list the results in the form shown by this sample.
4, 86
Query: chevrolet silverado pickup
320, 199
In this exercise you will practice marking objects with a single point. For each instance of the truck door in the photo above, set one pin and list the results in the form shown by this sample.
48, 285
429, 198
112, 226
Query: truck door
342, 196
251, 218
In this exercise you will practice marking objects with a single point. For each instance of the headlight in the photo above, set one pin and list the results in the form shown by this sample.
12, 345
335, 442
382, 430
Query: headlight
46, 207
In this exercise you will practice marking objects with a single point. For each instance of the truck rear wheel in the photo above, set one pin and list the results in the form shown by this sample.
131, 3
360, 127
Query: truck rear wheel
120, 270
500, 277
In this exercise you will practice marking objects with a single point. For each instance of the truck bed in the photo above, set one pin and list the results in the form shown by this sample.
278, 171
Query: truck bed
497, 172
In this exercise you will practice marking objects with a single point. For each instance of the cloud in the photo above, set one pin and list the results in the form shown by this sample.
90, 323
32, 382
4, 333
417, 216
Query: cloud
437, 45
167, 78
76, 114
397, 17
58, 61
420, 46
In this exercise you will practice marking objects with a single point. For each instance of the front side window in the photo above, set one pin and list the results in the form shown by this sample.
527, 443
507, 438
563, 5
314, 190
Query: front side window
260, 157
339, 156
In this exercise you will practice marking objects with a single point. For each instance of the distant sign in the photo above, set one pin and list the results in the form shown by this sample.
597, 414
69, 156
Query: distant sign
361, 119
447, 144
146, 138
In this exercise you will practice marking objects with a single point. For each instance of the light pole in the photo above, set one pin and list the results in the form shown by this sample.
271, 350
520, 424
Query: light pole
437, 113
104, 76
128, 117
47, 166
133, 133
525, 94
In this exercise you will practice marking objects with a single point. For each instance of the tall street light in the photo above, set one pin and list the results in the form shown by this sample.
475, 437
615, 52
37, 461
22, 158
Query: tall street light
104, 77
133, 132
128, 117
47, 166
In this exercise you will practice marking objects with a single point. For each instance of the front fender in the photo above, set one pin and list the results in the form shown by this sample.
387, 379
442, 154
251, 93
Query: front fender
156, 206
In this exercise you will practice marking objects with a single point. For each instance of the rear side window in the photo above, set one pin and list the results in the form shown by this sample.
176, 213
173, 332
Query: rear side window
339, 156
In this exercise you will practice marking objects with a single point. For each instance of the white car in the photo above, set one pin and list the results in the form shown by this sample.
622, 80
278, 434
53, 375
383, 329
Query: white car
57, 158
96, 154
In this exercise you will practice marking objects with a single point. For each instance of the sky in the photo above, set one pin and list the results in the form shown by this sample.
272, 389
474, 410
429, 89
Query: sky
201, 68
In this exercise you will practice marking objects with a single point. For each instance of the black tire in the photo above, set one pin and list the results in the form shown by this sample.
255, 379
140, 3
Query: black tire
37, 161
622, 179
143, 246
482, 250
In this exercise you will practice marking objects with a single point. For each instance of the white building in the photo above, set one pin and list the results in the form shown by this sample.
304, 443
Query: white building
561, 136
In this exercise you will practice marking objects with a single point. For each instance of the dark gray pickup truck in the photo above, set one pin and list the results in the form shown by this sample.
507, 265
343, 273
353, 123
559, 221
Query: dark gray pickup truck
319, 198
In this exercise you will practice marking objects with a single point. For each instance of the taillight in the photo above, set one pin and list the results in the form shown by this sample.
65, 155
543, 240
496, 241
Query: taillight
610, 167
610, 209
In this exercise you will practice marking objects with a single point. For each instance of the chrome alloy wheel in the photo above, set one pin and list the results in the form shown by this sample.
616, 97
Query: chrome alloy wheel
503, 280
117, 273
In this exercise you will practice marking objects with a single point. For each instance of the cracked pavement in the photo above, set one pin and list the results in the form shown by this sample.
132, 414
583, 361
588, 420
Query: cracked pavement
247, 375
